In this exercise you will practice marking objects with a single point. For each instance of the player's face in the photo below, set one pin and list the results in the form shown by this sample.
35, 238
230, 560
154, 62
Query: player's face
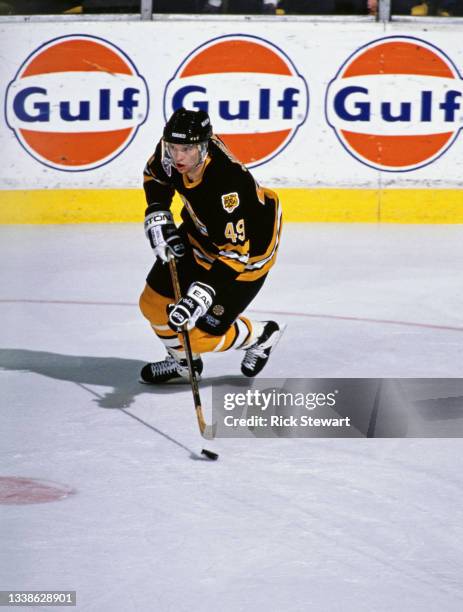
185, 157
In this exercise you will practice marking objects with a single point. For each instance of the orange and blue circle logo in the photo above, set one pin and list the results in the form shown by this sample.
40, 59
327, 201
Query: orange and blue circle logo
256, 98
396, 104
76, 102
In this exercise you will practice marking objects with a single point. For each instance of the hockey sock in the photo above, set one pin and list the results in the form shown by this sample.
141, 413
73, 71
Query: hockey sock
254, 330
242, 334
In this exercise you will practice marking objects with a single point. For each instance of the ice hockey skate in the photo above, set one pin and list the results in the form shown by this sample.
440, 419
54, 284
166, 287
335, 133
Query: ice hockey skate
169, 370
258, 354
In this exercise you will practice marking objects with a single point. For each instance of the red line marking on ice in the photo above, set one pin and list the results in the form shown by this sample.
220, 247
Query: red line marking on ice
71, 302
19, 490
275, 312
361, 319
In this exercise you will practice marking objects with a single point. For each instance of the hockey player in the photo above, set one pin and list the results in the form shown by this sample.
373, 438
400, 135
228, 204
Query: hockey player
225, 246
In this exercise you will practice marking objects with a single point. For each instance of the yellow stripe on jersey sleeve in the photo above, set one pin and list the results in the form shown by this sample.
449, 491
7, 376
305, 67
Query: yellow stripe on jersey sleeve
234, 264
275, 236
240, 249
235, 255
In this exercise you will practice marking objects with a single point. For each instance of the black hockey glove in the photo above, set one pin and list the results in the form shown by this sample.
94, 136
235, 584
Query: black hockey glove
188, 309
161, 231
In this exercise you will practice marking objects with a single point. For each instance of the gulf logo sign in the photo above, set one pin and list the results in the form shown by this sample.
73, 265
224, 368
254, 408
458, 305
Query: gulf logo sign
396, 103
252, 91
76, 102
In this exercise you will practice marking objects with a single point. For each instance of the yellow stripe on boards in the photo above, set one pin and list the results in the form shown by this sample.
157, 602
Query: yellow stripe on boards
329, 205
422, 206
299, 205
72, 206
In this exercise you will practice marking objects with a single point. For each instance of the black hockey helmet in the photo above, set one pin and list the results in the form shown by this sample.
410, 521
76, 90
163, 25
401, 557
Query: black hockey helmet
188, 127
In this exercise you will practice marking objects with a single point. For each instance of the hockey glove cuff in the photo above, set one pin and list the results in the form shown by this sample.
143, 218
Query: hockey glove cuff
188, 309
161, 231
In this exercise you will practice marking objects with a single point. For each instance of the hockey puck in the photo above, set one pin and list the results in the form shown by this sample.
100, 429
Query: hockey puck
209, 454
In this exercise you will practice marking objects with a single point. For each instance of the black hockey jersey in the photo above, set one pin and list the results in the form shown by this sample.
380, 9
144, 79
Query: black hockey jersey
232, 224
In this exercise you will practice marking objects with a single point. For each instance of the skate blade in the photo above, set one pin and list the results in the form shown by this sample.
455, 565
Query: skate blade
174, 381
278, 334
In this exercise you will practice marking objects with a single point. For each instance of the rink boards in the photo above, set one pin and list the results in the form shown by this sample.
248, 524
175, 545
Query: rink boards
356, 121
299, 205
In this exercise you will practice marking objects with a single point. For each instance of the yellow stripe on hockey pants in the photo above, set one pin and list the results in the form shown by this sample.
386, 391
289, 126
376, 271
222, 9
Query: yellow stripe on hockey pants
153, 307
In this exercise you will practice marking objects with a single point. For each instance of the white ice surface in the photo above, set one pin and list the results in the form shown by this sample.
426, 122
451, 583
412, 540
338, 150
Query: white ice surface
274, 525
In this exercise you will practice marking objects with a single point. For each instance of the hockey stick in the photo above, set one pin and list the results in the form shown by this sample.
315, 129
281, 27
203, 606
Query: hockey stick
207, 431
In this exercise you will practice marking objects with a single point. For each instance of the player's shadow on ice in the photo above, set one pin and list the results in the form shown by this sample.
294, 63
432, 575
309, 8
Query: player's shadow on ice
120, 374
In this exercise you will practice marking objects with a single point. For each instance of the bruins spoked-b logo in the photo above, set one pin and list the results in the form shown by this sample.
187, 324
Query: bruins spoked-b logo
218, 310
